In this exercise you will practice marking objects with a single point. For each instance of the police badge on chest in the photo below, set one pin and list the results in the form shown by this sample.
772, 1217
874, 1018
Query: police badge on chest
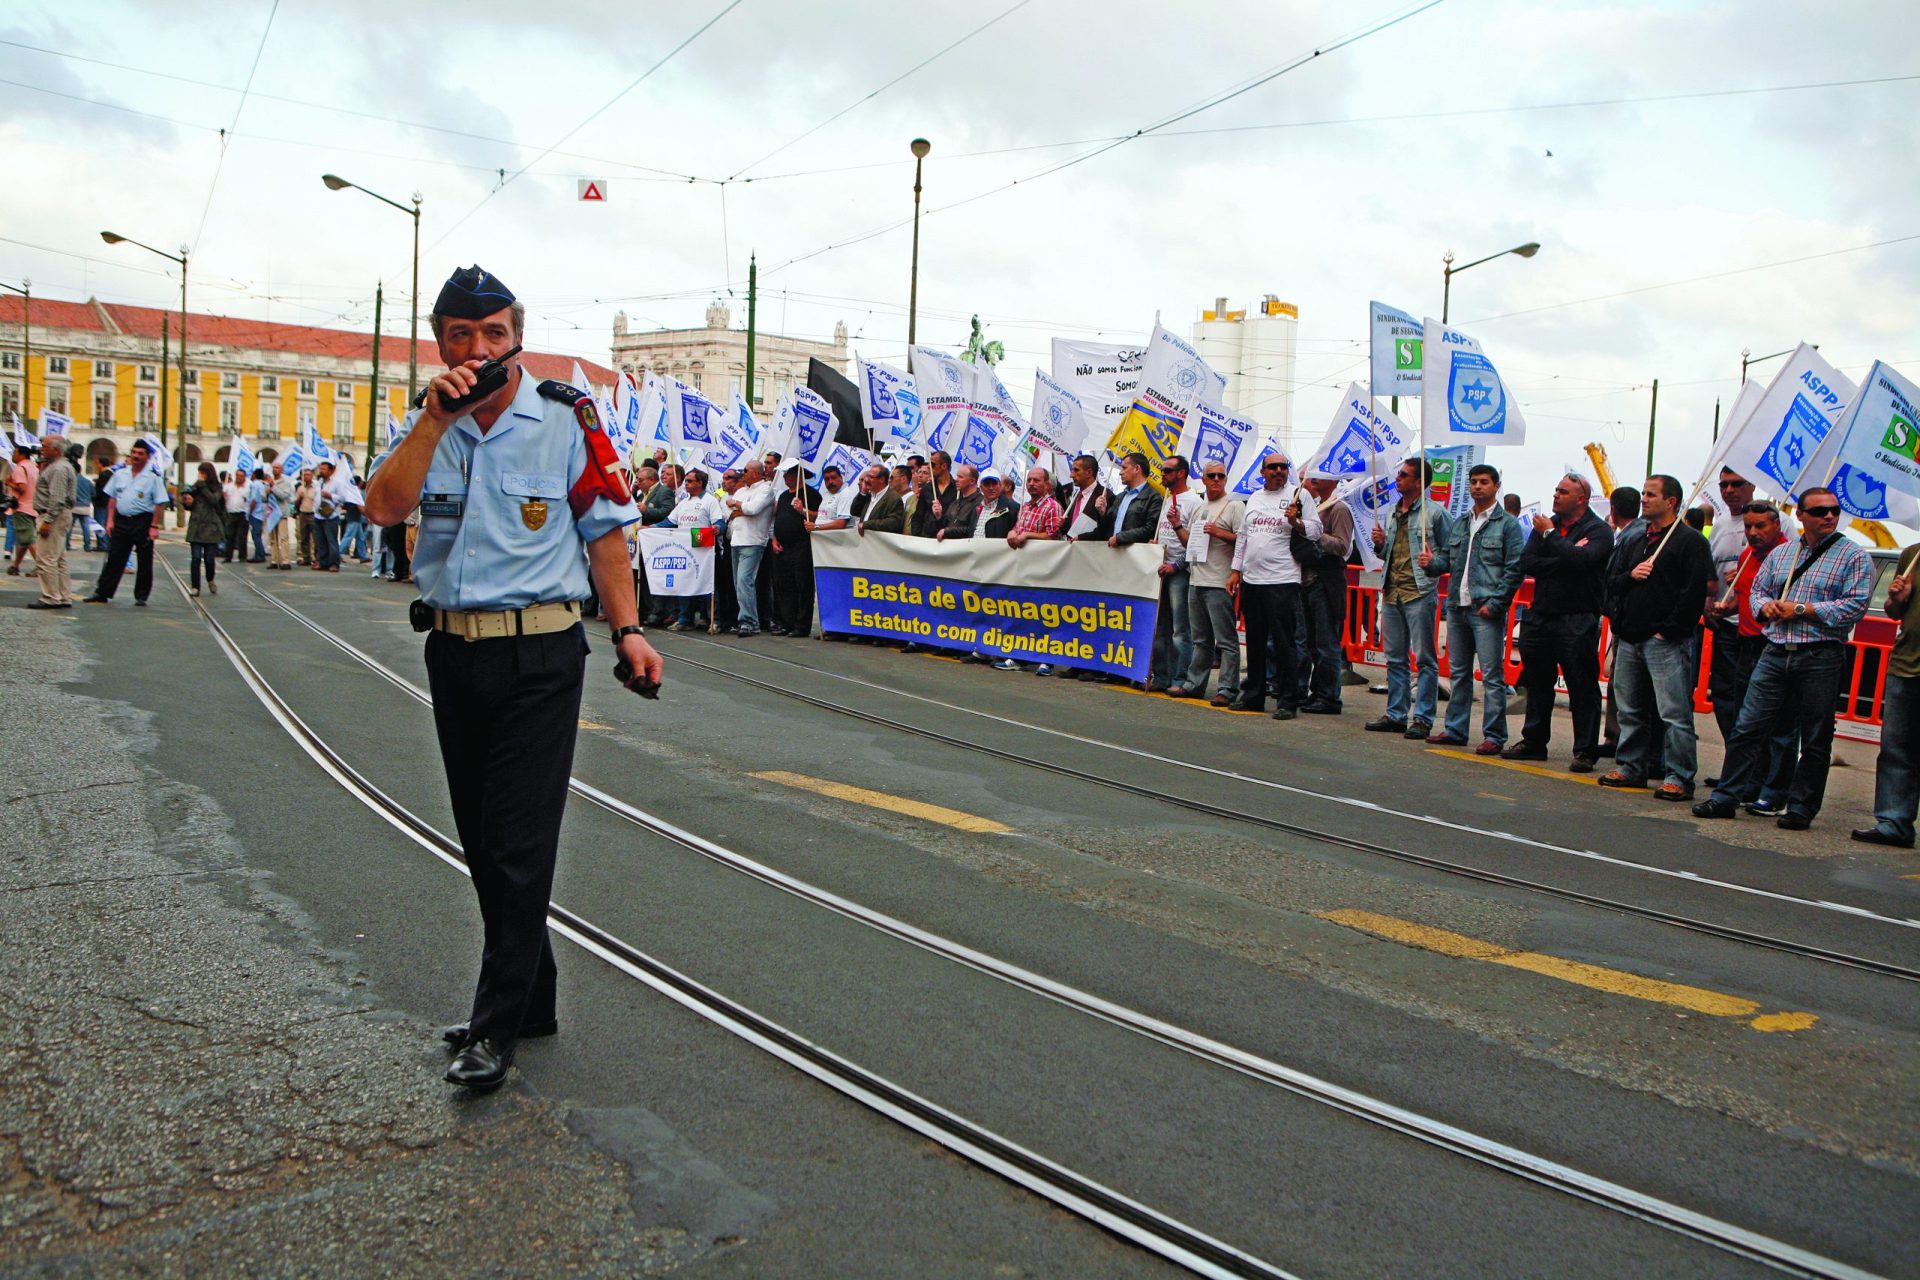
533, 514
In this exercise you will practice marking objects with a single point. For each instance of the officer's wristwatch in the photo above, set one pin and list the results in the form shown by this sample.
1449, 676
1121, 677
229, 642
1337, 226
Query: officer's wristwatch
621, 633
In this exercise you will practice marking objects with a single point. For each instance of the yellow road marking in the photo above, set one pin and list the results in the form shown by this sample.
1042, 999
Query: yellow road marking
1196, 702
881, 800
591, 724
1613, 981
1519, 766
1910, 877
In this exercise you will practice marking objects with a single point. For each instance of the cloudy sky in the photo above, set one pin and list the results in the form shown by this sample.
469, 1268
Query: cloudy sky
1722, 175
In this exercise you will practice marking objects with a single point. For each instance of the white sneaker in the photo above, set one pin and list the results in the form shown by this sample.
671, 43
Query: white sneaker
194, 592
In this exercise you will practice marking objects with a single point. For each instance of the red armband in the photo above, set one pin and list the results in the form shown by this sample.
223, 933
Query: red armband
602, 477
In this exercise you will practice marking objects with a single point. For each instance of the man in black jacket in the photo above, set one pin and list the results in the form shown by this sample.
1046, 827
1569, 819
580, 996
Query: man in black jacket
1567, 560
931, 508
792, 549
1658, 585
1136, 512
963, 508
1086, 496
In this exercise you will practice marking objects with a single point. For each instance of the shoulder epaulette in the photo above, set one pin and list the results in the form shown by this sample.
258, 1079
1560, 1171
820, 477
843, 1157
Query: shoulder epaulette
566, 393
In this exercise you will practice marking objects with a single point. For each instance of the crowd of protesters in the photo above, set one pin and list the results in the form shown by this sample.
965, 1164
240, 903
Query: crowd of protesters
1772, 605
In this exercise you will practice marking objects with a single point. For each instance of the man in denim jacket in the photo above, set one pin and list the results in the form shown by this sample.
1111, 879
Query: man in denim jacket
1482, 552
1409, 527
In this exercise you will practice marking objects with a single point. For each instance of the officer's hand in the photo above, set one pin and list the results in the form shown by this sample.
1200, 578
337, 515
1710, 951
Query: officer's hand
1643, 571
643, 658
1542, 525
451, 385
1379, 536
1426, 559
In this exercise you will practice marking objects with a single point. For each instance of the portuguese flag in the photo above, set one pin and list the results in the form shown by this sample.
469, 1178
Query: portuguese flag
700, 537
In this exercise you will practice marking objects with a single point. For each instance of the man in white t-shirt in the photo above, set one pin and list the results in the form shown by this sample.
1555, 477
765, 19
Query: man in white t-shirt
1218, 516
749, 526
1266, 578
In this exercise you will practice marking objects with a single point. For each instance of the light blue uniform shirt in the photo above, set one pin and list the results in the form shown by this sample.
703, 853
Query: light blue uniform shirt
477, 547
135, 495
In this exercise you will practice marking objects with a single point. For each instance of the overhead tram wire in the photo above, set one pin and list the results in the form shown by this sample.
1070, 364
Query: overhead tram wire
262, 95
595, 114
922, 65
1711, 275
1188, 114
226, 134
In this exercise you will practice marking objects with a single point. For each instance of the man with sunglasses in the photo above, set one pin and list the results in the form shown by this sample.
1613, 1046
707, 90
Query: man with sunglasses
1216, 633
1267, 578
1808, 595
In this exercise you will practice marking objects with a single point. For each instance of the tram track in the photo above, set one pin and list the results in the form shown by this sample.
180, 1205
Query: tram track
1540, 1171
1322, 835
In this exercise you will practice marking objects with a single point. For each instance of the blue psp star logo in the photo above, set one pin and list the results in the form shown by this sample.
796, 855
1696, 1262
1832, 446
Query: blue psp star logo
1861, 494
1475, 399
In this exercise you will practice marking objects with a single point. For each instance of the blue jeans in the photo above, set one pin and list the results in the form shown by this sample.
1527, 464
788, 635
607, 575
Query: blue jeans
1803, 687
1408, 630
746, 578
1896, 783
1172, 637
1470, 636
353, 541
258, 528
1215, 630
1653, 687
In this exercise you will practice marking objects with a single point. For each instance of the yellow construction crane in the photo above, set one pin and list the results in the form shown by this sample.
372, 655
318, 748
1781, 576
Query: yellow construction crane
1602, 473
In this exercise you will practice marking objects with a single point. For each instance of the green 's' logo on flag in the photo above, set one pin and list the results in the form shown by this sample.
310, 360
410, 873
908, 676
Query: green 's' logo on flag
1901, 438
1406, 353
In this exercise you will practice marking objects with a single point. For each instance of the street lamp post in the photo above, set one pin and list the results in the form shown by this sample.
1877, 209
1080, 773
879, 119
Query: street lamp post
25, 291
180, 431
336, 183
1526, 250
920, 148
1748, 359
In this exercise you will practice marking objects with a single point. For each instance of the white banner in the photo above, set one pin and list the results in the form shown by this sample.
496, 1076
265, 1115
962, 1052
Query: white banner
1103, 376
674, 566
1359, 440
1737, 414
1469, 404
1174, 374
1877, 447
1396, 341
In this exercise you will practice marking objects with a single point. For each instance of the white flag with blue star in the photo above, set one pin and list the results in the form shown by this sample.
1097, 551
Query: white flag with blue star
814, 425
1059, 416
1478, 407
1362, 439
1873, 452
945, 386
886, 409
55, 423
242, 457
1213, 435
1396, 345
21, 435
1778, 440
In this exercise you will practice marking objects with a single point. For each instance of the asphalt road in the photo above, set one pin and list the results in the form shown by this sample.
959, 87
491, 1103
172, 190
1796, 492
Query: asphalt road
692, 1148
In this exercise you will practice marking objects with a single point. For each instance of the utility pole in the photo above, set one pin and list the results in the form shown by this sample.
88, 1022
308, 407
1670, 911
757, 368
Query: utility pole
1653, 411
165, 350
25, 290
373, 397
753, 299
1716, 419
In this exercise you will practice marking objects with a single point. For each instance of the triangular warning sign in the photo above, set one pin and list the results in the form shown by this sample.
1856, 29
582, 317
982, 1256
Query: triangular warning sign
591, 191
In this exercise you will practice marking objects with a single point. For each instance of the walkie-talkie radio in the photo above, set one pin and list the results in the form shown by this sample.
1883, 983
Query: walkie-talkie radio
492, 376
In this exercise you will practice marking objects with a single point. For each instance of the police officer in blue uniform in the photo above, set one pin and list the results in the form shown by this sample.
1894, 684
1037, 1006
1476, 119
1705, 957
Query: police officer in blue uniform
135, 494
522, 503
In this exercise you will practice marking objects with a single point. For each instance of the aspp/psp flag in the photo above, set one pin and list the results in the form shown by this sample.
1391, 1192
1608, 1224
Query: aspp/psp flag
880, 387
945, 385
813, 425
1059, 418
1363, 438
678, 562
1396, 344
242, 456
1478, 407
1779, 438
1214, 435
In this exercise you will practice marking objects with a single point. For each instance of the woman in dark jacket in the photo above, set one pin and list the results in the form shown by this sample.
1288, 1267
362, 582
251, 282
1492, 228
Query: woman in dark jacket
206, 524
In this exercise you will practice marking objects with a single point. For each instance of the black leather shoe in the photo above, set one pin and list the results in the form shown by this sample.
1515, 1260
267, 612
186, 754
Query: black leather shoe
1524, 752
1715, 809
1386, 724
459, 1036
1874, 835
1793, 822
481, 1065
1319, 708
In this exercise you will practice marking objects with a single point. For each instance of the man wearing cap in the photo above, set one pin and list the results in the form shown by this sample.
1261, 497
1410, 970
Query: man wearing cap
522, 503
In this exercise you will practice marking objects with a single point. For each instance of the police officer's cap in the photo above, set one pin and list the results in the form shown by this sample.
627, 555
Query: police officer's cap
472, 294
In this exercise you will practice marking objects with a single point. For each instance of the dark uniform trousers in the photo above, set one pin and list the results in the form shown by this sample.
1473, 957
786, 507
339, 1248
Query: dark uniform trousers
793, 586
1271, 612
1566, 644
507, 712
130, 536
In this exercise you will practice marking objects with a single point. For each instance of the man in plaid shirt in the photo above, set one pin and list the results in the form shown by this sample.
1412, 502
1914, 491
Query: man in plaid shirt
1808, 595
1040, 518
